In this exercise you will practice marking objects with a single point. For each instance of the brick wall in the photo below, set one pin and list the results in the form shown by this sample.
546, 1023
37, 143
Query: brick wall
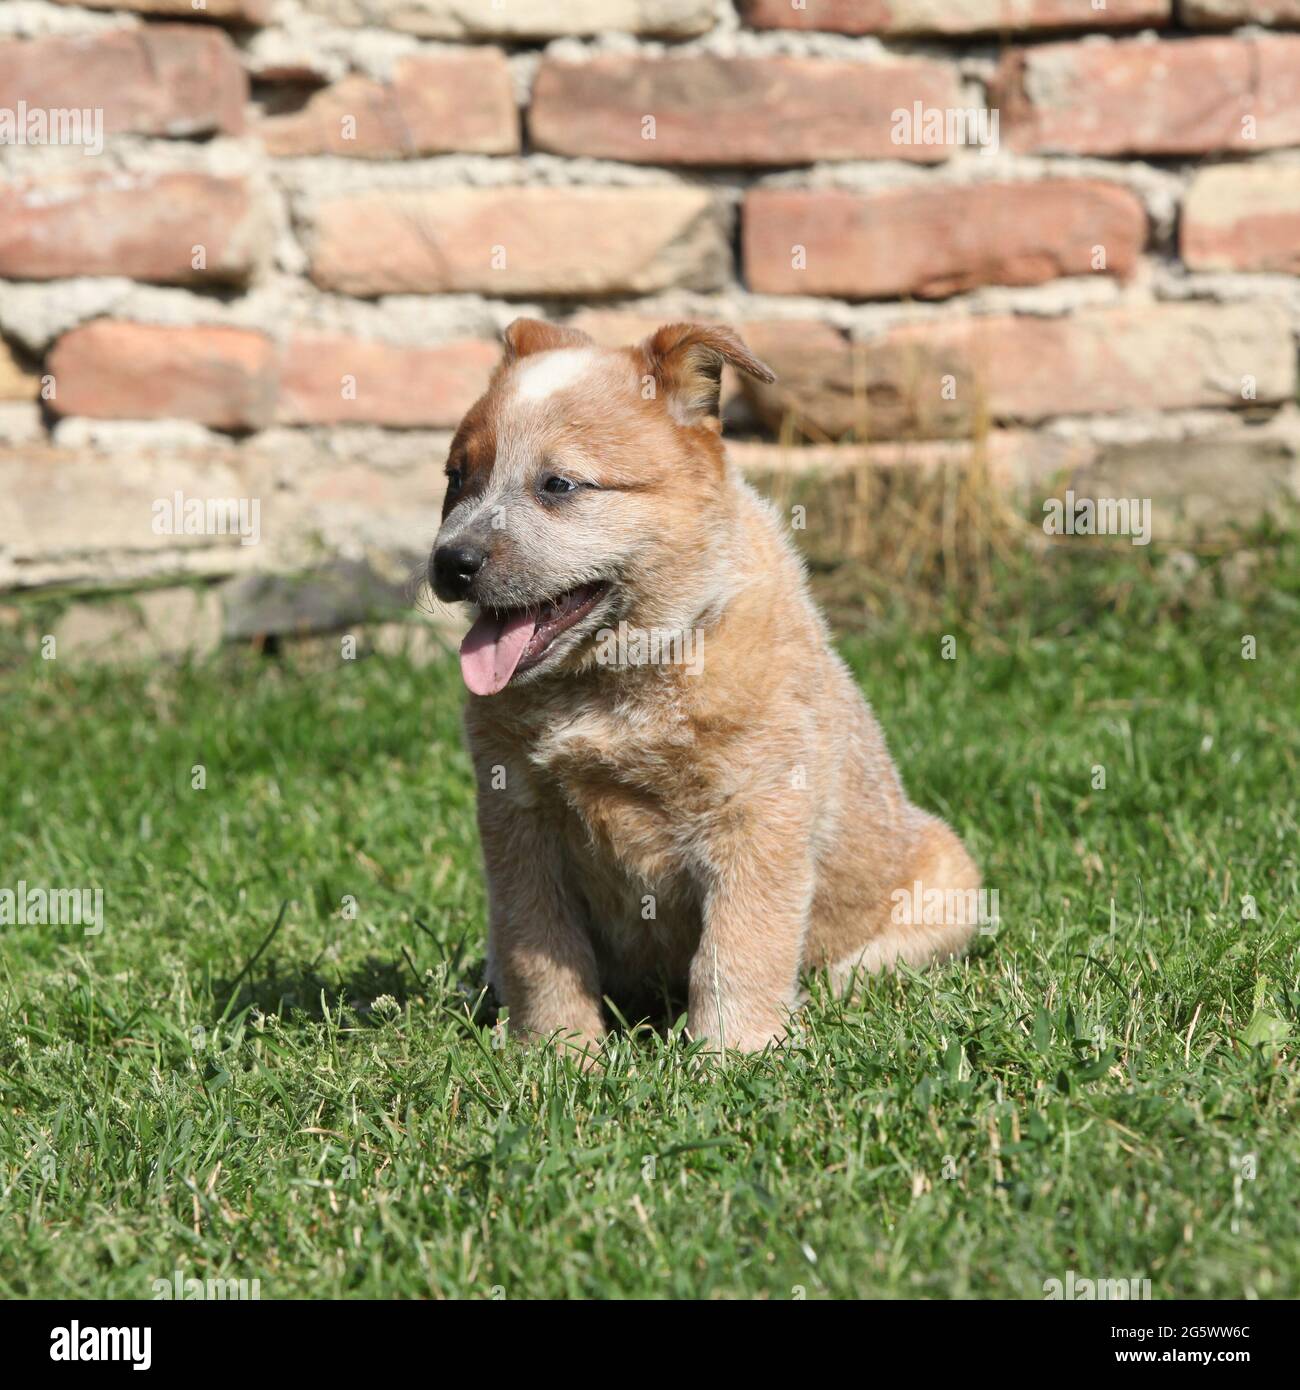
1068, 227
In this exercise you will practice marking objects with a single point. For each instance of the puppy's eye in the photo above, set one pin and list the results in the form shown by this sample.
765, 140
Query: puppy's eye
558, 486
455, 480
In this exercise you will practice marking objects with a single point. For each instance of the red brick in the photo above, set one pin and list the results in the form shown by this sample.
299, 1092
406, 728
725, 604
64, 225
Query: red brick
969, 17
1227, 14
1147, 358
437, 103
1162, 98
251, 12
933, 242
141, 225
222, 377
827, 387
404, 387
163, 79
615, 328
555, 241
710, 110
1243, 217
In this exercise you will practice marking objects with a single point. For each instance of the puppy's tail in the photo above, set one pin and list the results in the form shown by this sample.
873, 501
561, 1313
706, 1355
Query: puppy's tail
934, 912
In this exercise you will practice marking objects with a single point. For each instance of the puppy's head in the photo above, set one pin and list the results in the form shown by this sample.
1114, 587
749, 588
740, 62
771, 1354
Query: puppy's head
584, 487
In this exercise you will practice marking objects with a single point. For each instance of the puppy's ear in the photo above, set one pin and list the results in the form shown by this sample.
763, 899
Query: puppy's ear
527, 336
686, 360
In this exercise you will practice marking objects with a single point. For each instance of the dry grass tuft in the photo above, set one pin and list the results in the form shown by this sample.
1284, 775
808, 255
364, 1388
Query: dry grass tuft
921, 522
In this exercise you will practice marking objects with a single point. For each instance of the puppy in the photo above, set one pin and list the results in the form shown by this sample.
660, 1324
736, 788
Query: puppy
681, 790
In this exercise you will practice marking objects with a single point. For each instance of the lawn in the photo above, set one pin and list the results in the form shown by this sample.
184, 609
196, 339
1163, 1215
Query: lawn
275, 1063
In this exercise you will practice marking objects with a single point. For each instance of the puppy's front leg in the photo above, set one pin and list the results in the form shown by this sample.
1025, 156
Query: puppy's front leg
540, 958
744, 976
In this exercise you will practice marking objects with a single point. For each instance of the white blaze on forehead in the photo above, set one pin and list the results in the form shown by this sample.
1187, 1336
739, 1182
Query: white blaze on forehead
550, 372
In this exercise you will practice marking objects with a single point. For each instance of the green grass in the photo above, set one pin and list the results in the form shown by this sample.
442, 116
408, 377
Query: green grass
1091, 1091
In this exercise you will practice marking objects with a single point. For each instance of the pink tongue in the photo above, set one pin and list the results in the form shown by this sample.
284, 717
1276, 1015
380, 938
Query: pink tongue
492, 649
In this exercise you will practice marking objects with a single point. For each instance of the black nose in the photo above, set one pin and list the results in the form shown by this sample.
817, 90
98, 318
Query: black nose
454, 568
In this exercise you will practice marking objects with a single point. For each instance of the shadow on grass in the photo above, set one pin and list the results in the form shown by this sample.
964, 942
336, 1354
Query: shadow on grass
303, 989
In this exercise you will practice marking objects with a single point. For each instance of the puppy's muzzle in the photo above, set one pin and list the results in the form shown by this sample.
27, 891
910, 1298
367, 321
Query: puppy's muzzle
454, 568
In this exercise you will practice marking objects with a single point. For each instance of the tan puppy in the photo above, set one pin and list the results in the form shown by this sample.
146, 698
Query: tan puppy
680, 787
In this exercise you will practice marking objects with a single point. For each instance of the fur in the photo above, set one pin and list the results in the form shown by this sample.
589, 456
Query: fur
653, 829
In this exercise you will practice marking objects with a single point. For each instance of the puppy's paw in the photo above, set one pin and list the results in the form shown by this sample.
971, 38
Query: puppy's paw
583, 1049
583, 1046
741, 1038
